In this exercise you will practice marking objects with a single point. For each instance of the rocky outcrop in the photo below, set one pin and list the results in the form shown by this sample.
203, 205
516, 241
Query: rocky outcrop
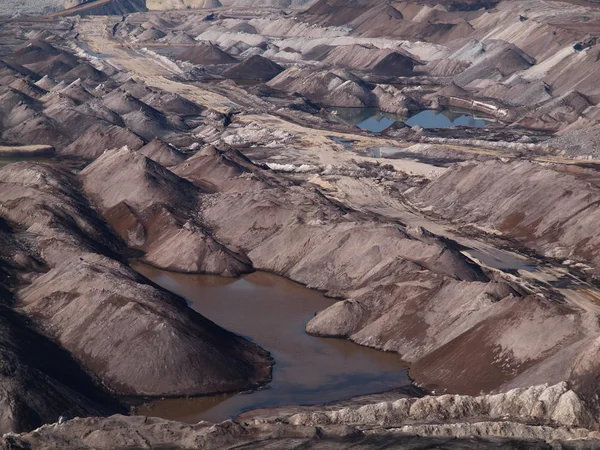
119, 432
556, 405
313, 432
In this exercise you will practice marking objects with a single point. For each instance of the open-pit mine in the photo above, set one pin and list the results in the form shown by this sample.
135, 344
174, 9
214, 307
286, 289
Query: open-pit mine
298, 224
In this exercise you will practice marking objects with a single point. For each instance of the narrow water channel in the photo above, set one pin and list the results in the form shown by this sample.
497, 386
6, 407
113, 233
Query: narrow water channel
273, 312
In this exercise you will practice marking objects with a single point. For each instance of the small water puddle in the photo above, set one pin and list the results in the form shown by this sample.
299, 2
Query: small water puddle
376, 121
502, 260
348, 144
273, 312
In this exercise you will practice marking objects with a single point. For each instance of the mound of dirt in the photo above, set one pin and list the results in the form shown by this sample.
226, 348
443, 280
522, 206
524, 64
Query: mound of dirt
206, 54
147, 182
123, 102
93, 143
170, 104
162, 153
330, 88
28, 88
254, 68
161, 5
95, 109
157, 214
11, 71
371, 59
583, 143
340, 12
444, 67
138, 90
180, 37
54, 63
216, 171
85, 72
46, 83
56, 68
10, 8
395, 64
151, 34
75, 91
111, 8
557, 113
211, 4
34, 52
122, 432
38, 130
453, 90
244, 27
40, 381
516, 198
156, 21
104, 313
17, 107
68, 119
148, 124
499, 60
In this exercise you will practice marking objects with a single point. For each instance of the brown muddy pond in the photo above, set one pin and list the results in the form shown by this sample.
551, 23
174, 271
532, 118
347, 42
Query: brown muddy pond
272, 312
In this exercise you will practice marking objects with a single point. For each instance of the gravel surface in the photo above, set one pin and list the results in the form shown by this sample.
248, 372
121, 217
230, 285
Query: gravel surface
13, 7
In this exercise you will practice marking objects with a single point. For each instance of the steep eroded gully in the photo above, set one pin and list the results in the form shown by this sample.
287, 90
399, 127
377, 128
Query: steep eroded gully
273, 312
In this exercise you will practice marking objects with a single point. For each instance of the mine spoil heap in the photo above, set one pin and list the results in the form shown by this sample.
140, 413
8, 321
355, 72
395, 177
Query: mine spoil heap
232, 136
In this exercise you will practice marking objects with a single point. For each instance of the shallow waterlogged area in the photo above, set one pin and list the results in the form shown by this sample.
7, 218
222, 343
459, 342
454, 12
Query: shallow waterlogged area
273, 311
376, 121
502, 260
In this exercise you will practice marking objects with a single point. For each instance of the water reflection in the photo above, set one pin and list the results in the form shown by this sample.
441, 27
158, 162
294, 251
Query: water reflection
376, 121
501, 260
444, 118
